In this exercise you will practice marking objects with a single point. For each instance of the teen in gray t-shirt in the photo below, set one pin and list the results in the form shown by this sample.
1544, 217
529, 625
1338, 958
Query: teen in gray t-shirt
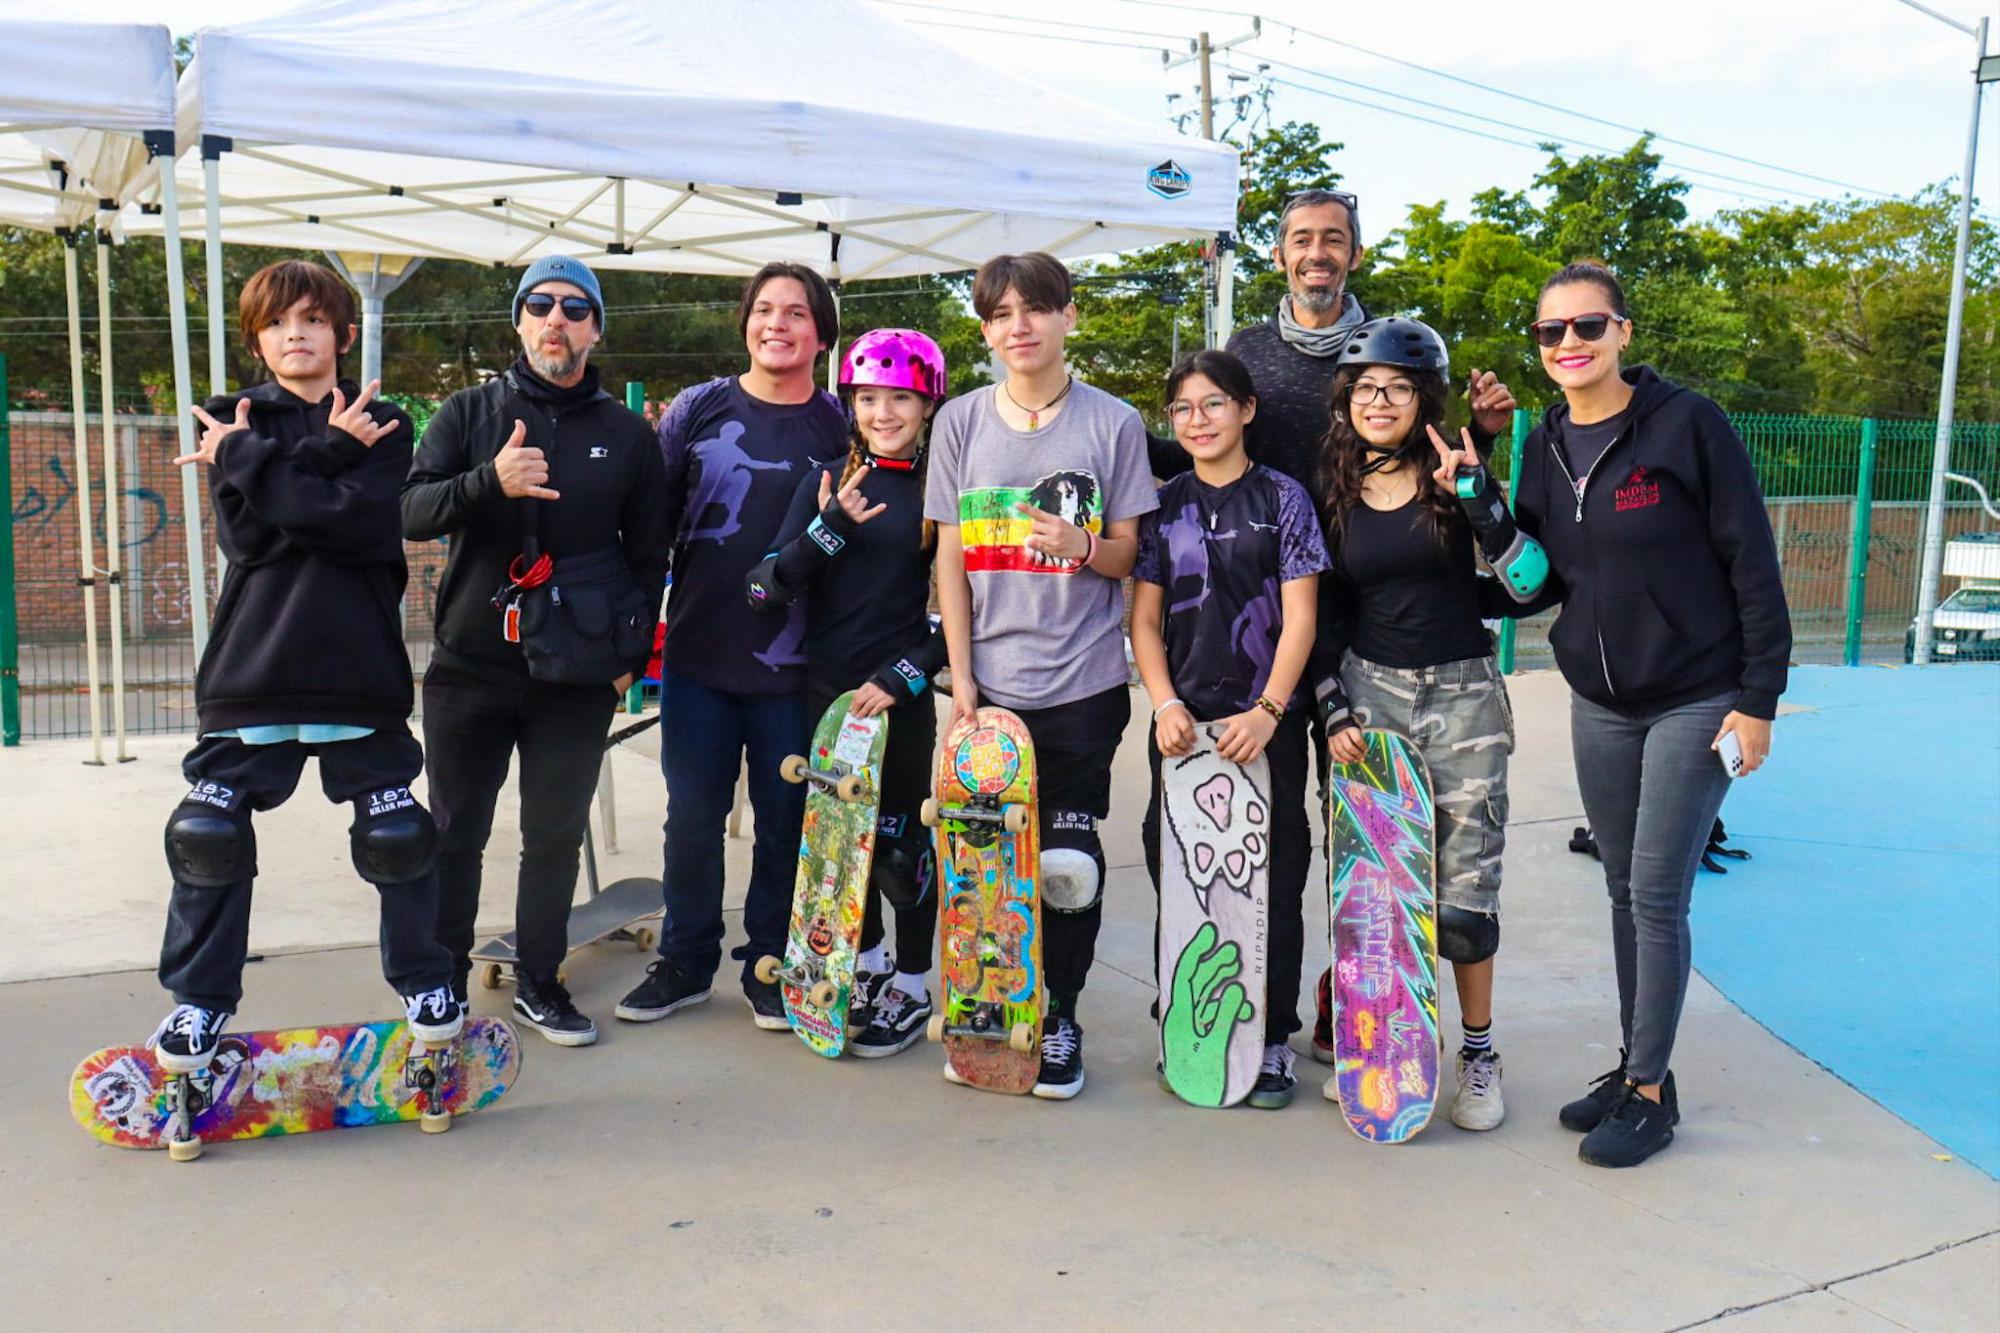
1044, 631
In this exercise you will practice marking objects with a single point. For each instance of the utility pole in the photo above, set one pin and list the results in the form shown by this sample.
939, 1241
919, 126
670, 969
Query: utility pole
1984, 70
1218, 286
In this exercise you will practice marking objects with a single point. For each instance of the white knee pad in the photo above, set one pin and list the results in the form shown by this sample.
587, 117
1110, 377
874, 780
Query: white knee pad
1069, 880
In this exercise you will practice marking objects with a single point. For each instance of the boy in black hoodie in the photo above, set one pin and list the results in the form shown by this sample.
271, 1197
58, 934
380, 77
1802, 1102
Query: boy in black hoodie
306, 660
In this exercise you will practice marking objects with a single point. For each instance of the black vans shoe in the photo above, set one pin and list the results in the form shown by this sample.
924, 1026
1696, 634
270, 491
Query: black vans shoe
1062, 1059
666, 990
767, 1005
895, 1024
435, 1016
544, 1005
185, 1039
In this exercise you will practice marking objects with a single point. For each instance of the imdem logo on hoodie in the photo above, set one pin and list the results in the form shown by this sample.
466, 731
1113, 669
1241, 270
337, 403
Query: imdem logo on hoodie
1636, 493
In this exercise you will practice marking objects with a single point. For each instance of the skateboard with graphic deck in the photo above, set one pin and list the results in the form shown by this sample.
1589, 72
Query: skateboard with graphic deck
1215, 885
293, 1081
1381, 860
989, 888
843, 777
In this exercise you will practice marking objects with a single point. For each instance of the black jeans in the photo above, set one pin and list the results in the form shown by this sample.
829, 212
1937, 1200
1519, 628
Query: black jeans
1291, 859
907, 774
208, 929
1074, 746
472, 726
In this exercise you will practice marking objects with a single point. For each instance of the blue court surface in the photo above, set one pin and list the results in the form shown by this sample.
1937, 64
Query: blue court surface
1866, 931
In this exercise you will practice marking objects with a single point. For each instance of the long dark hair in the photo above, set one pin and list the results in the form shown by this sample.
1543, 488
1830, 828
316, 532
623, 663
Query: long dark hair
1343, 455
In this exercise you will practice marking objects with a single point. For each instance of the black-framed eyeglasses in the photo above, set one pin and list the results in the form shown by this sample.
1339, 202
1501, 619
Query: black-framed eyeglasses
1590, 327
576, 309
1397, 393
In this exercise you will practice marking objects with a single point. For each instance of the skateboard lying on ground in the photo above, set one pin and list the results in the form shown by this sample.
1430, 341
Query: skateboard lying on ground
836, 850
1215, 883
1381, 860
293, 1081
989, 885
612, 913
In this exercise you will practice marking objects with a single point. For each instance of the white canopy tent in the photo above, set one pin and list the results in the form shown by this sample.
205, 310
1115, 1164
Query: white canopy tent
85, 110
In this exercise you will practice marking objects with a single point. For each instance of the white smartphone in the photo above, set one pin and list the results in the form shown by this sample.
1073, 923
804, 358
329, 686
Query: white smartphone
1731, 751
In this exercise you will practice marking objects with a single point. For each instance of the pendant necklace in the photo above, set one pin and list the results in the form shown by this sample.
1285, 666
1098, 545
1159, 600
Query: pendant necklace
1035, 413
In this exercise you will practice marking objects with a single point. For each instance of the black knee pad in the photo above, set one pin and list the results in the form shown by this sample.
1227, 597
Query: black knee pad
393, 838
1467, 937
901, 881
210, 846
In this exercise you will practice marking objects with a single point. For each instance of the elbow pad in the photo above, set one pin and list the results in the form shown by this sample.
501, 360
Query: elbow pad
762, 587
1523, 567
1517, 558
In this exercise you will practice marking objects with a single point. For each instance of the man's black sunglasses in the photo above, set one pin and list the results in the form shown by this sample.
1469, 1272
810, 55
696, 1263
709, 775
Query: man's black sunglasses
576, 309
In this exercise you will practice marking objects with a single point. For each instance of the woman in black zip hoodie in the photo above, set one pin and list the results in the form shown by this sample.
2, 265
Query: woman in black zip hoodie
1673, 637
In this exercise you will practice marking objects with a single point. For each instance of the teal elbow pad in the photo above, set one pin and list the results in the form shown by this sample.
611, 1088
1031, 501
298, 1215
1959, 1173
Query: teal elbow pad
1524, 567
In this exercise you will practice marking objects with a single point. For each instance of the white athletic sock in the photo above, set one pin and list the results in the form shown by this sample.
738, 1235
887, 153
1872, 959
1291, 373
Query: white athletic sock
914, 985
875, 960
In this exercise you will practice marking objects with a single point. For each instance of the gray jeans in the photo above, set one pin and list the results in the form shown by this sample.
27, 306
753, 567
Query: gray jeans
1651, 788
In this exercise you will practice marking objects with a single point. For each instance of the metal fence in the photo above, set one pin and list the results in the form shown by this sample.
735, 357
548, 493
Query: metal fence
1846, 498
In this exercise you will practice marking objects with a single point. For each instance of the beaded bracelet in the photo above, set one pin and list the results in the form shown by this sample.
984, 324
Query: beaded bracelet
1171, 703
1276, 710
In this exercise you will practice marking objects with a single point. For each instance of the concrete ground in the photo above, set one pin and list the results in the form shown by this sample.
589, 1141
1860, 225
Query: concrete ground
698, 1173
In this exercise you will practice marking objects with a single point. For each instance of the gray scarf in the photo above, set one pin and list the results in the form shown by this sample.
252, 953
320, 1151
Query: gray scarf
1319, 342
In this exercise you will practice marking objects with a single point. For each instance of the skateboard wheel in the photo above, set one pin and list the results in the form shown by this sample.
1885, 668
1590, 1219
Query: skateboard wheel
822, 995
645, 938
436, 1123
793, 769
183, 1150
1021, 1037
766, 970
489, 976
849, 788
935, 1028
1014, 818
927, 814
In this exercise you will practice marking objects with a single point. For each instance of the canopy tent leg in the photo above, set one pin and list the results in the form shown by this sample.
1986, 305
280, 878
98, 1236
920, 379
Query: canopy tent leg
375, 277
1224, 321
161, 144
218, 299
80, 429
833, 281
114, 556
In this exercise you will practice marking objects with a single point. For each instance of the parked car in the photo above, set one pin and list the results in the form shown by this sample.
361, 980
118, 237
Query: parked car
1967, 626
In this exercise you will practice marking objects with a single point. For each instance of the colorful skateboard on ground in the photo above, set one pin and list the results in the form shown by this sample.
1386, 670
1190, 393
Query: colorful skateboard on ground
843, 777
614, 913
293, 1081
1215, 883
989, 887
1381, 852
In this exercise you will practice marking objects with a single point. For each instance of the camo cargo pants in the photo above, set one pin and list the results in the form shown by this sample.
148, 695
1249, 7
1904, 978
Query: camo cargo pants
1462, 723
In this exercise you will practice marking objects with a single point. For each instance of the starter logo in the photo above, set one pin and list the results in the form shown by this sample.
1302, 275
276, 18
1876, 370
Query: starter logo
1636, 493
1169, 180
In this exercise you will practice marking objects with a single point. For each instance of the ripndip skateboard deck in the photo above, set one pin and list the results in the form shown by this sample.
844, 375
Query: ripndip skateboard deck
989, 887
843, 774
293, 1081
1215, 882
1381, 861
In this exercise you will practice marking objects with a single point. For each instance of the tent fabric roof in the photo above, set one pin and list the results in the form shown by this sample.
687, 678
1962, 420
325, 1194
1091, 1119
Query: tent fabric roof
703, 137
79, 93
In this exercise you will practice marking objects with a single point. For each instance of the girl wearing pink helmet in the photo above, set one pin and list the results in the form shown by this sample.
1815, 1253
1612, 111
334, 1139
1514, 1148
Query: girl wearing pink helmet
856, 547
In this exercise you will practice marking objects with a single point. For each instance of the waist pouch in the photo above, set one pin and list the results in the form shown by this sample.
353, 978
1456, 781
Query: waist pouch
588, 624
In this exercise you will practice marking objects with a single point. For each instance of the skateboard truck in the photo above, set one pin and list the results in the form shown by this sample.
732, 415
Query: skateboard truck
984, 1023
1011, 817
429, 1070
187, 1097
820, 993
848, 787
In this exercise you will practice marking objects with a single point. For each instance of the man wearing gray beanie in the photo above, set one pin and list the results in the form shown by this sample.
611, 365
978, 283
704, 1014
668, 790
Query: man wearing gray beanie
541, 452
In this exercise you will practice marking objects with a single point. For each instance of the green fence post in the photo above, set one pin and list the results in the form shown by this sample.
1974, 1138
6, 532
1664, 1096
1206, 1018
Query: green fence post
635, 399
1857, 554
1507, 627
10, 611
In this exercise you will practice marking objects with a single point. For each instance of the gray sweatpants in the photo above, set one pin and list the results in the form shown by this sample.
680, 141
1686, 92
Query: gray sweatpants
1651, 788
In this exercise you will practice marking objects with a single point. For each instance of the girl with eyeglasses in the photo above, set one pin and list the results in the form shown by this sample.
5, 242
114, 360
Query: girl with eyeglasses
1402, 646
1673, 638
1223, 608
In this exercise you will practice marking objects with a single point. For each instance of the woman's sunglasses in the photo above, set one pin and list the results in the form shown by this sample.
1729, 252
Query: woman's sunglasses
576, 309
1591, 327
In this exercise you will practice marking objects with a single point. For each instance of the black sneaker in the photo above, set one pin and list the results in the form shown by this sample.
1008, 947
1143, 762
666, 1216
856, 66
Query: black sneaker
896, 1024
1633, 1129
1062, 1059
185, 1039
667, 989
1275, 1082
1583, 1114
869, 987
767, 1005
1322, 1044
435, 1016
544, 1005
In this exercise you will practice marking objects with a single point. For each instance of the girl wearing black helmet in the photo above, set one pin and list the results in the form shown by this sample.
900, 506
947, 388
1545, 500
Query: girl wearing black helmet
1401, 643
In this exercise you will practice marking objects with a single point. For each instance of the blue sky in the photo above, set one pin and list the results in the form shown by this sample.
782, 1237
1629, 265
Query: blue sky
1868, 93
